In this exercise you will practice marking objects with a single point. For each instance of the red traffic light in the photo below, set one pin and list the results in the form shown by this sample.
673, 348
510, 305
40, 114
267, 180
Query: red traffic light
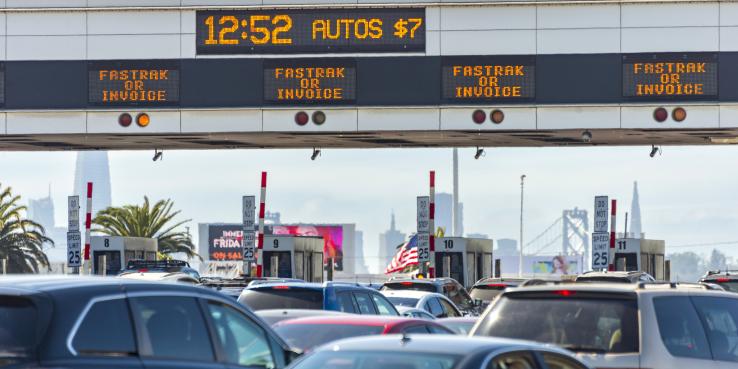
478, 116
125, 120
301, 118
660, 114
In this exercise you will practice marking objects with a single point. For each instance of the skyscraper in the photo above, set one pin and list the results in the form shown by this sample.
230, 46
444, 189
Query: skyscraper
92, 166
388, 242
41, 211
635, 213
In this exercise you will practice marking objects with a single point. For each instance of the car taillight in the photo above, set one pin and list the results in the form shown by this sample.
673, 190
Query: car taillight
723, 280
281, 287
565, 293
143, 270
406, 283
496, 285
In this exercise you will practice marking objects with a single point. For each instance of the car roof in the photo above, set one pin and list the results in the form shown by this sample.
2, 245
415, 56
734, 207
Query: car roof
297, 313
468, 319
409, 293
433, 344
500, 280
614, 287
421, 280
352, 319
62, 283
616, 274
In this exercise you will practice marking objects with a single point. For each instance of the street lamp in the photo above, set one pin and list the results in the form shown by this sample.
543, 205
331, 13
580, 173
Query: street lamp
520, 258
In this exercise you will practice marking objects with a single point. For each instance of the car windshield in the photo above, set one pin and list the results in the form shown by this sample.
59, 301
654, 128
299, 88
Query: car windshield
487, 292
280, 297
403, 301
377, 359
584, 324
307, 336
17, 329
404, 286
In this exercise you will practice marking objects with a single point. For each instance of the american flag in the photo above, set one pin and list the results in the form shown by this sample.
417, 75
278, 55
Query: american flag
406, 255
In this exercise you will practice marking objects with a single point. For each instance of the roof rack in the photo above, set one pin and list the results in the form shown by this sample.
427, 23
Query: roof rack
138, 263
643, 285
718, 271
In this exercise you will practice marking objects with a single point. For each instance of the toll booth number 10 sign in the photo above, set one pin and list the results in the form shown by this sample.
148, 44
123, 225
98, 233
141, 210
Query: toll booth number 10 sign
310, 31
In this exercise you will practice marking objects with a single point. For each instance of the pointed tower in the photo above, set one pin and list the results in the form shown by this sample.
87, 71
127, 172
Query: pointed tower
635, 213
92, 166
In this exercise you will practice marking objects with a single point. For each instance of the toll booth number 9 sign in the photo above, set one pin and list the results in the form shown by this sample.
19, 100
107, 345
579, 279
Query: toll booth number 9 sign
310, 31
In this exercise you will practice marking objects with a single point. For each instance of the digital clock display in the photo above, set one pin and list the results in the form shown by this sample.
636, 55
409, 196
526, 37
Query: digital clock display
308, 81
311, 31
488, 79
659, 76
134, 83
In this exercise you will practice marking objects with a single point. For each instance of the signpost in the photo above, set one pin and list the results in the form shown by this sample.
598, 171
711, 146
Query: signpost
423, 218
74, 238
249, 239
600, 237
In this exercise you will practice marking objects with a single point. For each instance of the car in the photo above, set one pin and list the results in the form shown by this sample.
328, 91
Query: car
619, 325
727, 279
234, 286
432, 351
274, 316
448, 287
487, 289
434, 303
412, 312
307, 333
461, 325
615, 277
96, 322
343, 297
160, 270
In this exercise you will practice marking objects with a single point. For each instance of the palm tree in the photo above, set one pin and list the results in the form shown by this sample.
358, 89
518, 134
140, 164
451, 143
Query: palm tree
21, 240
147, 221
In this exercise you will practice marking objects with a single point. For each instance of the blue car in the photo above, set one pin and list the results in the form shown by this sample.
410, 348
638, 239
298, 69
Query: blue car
343, 297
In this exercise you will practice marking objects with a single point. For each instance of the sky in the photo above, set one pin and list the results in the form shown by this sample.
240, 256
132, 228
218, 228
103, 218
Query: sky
688, 194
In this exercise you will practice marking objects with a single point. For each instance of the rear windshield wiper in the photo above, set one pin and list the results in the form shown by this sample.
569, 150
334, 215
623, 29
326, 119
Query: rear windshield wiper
576, 348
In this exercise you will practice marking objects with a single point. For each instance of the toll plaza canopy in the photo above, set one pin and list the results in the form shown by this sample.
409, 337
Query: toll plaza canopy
116, 74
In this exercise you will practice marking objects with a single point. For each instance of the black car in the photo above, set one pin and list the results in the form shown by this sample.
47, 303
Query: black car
95, 322
448, 287
727, 279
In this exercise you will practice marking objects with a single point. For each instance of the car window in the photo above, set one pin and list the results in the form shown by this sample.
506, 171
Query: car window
438, 330
384, 306
435, 308
555, 361
378, 359
450, 310
418, 329
514, 360
720, 320
307, 336
365, 304
243, 342
282, 297
346, 302
114, 316
18, 326
680, 327
172, 327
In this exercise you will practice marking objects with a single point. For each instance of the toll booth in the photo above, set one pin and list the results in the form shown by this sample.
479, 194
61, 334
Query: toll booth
466, 260
293, 257
635, 254
117, 251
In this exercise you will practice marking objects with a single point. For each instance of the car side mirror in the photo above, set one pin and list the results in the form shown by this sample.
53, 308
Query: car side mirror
292, 355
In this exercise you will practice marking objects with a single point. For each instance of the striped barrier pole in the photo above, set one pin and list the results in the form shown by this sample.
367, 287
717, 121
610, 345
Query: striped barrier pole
88, 223
260, 241
431, 226
613, 212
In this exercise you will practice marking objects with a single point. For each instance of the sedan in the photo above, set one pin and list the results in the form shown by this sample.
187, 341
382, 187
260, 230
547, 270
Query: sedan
437, 352
436, 304
306, 333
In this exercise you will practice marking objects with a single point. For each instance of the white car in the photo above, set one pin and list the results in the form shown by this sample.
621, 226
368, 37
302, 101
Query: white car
436, 304
644, 325
412, 312
179, 277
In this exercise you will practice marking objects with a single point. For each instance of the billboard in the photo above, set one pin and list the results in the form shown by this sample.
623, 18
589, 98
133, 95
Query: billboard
542, 266
224, 240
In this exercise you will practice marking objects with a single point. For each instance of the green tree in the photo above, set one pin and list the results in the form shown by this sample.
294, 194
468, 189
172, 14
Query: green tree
153, 221
21, 240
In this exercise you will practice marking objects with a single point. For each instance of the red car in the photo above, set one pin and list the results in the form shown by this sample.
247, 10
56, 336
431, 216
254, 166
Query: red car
306, 333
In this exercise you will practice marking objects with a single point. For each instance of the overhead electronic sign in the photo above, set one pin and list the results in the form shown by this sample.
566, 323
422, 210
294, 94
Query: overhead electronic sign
133, 83
670, 76
310, 31
488, 79
309, 81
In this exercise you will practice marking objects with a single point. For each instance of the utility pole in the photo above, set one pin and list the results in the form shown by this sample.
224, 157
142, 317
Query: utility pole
520, 258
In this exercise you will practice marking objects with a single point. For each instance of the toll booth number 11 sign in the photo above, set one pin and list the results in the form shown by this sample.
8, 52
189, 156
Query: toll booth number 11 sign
310, 31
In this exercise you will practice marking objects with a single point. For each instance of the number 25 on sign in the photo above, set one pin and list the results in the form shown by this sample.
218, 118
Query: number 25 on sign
404, 27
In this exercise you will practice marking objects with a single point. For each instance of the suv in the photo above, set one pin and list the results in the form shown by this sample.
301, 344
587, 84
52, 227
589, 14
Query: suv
726, 279
343, 297
448, 287
435, 304
95, 322
615, 277
645, 325
488, 288
160, 270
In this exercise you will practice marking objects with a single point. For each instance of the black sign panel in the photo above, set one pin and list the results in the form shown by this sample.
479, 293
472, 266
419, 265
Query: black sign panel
2, 84
691, 76
133, 83
488, 79
310, 81
310, 31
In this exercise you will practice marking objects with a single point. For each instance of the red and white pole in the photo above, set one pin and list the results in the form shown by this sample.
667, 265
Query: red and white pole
613, 217
88, 224
260, 240
431, 226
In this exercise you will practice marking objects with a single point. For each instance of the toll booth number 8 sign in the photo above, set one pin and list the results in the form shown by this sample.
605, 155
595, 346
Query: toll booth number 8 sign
310, 31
